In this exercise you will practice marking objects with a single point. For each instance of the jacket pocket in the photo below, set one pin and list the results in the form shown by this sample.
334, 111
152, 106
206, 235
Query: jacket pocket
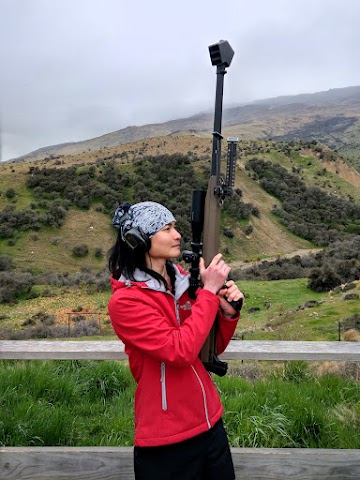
163, 387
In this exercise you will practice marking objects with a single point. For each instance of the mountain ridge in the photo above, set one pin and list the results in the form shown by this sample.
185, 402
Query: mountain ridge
282, 118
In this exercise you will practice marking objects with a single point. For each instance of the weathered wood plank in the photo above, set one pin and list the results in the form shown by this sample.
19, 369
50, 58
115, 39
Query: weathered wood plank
70, 463
292, 350
296, 464
237, 350
62, 350
110, 463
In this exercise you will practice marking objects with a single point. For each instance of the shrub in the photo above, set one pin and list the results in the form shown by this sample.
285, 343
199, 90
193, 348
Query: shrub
249, 229
55, 240
14, 284
228, 233
98, 252
351, 296
80, 250
5, 263
85, 329
10, 193
351, 322
323, 279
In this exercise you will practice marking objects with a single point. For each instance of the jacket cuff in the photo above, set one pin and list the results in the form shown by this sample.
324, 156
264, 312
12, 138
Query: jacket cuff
206, 293
234, 317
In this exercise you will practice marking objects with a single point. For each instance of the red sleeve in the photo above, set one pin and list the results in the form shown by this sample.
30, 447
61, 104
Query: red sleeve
226, 329
141, 323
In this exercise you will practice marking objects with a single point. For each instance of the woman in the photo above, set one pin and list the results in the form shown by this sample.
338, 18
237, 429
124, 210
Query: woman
178, 429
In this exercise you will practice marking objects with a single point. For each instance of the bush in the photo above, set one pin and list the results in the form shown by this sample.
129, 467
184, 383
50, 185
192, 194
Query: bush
5, 263
55, 240
228, 233
351, 322
323, 279
80, 250
341, 258
249, 229
85, 329
351, 296
14, 284
98, 252
10, 193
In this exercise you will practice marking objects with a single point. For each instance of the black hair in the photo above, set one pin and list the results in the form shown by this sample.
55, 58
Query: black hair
124, 260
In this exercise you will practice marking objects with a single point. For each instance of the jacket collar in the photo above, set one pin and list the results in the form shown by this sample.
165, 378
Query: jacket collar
145, 280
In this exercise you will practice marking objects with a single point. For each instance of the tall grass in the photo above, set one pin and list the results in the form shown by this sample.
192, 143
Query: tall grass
91, 403
292, 408
65, 403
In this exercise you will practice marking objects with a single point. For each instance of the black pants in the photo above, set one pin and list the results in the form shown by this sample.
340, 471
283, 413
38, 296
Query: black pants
204, 457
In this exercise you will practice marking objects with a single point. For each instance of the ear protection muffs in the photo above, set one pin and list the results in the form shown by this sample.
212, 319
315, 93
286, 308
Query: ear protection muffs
134, 237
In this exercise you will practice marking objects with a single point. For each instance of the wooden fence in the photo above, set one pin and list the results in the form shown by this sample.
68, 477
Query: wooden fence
110, 463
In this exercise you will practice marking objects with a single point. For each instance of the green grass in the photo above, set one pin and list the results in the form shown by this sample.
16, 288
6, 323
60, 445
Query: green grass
65, 403
293, 409
87, 403
280, 317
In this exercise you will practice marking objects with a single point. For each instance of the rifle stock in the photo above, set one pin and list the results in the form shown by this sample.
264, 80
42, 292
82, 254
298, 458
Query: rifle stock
211, 237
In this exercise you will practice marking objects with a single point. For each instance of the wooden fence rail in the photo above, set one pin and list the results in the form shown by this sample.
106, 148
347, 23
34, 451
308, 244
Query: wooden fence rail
237, 350
110, 463
116, 463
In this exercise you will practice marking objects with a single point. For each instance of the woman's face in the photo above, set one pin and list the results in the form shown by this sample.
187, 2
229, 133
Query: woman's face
166, 243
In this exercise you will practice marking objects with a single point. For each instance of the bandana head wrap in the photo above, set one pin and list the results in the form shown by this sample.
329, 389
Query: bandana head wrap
149, 217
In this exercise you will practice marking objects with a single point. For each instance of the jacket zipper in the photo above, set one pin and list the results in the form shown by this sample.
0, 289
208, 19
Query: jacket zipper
204, 397
163, 388
177, 311
163, 376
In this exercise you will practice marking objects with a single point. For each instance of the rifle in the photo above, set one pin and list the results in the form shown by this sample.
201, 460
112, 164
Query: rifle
206, 205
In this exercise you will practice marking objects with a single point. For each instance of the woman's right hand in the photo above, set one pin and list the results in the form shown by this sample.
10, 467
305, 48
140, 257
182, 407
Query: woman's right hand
214, 276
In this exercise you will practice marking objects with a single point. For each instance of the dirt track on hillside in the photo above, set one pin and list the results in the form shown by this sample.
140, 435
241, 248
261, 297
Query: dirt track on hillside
302, 253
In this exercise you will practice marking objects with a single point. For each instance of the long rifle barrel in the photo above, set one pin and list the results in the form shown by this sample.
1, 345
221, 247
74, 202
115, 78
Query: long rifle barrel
217, 137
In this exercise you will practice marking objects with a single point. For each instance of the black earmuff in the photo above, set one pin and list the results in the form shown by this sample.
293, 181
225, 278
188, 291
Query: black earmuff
134, 238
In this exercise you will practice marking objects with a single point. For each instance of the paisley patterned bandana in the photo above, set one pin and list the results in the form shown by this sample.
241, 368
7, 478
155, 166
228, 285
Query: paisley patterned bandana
150, 217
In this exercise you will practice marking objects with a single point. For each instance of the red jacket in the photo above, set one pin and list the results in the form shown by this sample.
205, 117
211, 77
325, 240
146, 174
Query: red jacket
175, 397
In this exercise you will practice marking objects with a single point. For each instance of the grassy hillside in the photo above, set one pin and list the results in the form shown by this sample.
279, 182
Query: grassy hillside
272, 308
50, 248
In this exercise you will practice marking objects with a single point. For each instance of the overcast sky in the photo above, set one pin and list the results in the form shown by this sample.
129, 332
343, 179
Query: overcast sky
76, 69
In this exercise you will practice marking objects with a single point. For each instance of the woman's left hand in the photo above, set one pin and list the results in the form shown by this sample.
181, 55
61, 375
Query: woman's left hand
228, 294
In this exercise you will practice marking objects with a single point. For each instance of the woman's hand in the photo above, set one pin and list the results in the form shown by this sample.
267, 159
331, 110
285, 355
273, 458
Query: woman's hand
214, 276
228, 294
213, 279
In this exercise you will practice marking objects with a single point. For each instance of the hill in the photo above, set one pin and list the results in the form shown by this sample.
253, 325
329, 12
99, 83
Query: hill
113, 175
331, 118
290, 199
